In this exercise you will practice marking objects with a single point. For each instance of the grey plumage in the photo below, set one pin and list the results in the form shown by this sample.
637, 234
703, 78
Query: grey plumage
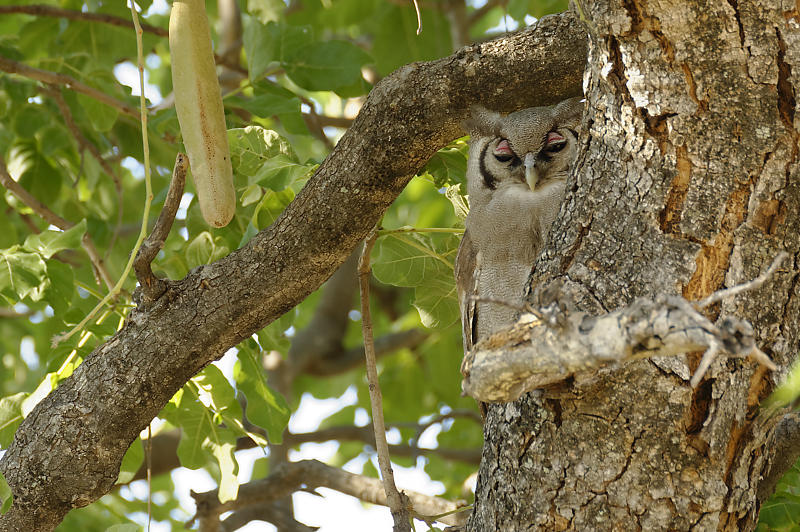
515, 181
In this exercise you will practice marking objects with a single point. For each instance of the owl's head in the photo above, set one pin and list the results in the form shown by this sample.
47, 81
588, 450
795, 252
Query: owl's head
533, 146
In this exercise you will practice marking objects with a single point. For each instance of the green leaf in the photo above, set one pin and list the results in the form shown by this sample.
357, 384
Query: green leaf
266, 10
780, 513
131, 462
228, 469
200, 250
23, 273
250, 195
517, 9
39, 177
268, 100
437, 303
6, 497
280, 172
787, 392
265, 408
423, 262
253, 146
412, 259
326, 65
48, 243
215, 390
102, 116
397, 42
273, 336
201, 433
10, 417
30, 120
267, 45
271, 205
61, 286
458, 201
448, 166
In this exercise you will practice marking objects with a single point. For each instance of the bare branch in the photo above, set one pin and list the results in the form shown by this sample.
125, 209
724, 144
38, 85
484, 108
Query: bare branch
346, 360
530, 355
10, 313
752, 285
53, 219
270, 513
396, 500
55, 78
153, 287
41, 10
310, 474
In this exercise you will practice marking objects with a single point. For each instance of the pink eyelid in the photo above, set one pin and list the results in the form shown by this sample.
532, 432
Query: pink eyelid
553, 137
503, 148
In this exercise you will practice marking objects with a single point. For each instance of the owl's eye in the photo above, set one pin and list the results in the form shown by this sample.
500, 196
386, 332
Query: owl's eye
503, 152
554, 142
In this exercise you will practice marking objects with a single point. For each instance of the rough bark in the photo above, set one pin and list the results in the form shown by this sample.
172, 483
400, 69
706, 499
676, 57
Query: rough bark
687, 181
67, 452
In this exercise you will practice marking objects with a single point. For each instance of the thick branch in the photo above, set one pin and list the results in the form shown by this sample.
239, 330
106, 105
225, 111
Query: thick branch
67, 452
311, 474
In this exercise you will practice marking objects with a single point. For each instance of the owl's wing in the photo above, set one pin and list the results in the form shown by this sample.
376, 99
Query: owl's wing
467, 273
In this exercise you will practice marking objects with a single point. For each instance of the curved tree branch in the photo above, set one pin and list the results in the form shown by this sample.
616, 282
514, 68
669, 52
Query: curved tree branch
67, 452
311, 474
56, 78
41, 10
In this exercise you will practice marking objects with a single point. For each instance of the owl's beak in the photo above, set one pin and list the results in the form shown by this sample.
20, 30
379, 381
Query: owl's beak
531, 175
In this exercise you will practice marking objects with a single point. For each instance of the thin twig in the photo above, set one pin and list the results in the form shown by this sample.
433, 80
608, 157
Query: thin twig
10, 313
397, 502
85, 144
41, 10
148, 191
53, 219
756, 283
447, 230
419, 17
55, 78
312, 119
152, 286
148, 452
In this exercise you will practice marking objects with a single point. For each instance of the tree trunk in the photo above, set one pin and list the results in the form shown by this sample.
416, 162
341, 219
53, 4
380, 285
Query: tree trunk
687, 182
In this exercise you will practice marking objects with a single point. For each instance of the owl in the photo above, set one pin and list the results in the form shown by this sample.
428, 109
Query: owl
515, 180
